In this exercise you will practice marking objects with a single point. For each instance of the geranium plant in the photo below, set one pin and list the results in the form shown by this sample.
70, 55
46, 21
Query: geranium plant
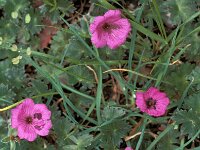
99, 74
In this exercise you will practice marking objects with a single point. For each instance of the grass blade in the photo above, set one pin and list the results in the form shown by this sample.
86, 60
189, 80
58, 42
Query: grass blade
170, 127
98, 97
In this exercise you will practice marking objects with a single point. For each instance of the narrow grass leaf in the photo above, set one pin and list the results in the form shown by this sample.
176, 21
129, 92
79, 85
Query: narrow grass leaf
99, 94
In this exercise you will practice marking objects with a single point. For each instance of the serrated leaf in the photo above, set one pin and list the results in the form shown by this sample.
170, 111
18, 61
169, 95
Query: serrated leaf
3, 133
62, 125
8, 28
75, 48
177, 76
5, 92
189, 122
195, 75
79, 74
81, 142
192, 52
38, 87
80, 102
53, 8
15, 6
59, 42
169, 141
33, 25
112, 133
110, 113
193, 102
38, 144
16, 76
177, 11
107, 54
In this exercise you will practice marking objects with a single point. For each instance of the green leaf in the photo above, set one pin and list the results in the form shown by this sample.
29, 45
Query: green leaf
15, 6
80, 102
194, 77
62, 126
193, 102
38, 87
112, 133
8, 28
3, 131
53, 8
81, 142
5, 92
16, 76
177, 76
177, 11
189, 122
2, 3
59, 43
169, 141
192, 40
34, 24
75, 48
78, 74
110, 113
38, 144
107, 54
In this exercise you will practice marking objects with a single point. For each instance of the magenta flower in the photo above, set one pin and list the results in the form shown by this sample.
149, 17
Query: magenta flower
152, 102
128, 148
110, 29
31, 120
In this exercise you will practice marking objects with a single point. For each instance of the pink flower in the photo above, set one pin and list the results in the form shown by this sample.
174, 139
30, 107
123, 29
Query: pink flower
31, 120
128, 148
110, 29
152, 102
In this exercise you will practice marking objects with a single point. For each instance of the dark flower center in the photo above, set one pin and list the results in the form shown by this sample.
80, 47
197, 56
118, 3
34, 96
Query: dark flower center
29, 120
38, 116
39, 127
107, 27
151, 103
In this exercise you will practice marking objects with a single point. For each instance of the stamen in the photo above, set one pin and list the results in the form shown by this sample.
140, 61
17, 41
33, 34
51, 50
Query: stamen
38, 116
108, 27
151, 103
38, 127
29, 120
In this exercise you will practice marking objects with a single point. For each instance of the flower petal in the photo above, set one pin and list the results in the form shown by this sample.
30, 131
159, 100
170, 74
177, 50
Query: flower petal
27, 132
44, 131
154, 112
140, 102
43, 110
98, 39
151, 91
112, 15
128, 148
158, 95
14, 116
118, 36
98, 21
19, 113
27, 106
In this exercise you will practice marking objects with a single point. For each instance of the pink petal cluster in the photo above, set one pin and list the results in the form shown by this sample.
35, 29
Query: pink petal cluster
128, 148
31, 120
110, 29
152, 102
